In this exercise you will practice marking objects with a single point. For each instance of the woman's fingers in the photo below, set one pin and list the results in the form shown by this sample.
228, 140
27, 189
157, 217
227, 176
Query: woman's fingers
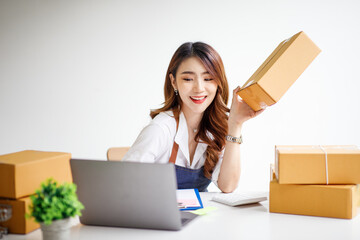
236, 97
240, 111
259, 112
236, 90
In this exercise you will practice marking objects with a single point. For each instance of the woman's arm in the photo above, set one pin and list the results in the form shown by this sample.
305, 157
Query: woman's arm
229, 174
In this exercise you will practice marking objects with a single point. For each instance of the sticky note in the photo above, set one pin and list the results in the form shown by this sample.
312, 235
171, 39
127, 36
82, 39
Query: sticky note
204, 211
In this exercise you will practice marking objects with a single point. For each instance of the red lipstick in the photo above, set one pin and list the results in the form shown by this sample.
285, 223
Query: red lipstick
198, 99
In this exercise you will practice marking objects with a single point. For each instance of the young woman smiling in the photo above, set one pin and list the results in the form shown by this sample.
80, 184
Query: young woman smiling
194, 129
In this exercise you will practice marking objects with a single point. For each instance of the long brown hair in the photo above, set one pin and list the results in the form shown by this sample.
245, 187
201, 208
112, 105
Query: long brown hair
214, 120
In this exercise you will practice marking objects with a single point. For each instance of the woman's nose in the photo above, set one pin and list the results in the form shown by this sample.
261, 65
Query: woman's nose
199, 86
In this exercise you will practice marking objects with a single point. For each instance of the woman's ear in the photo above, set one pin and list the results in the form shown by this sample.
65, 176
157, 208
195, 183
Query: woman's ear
173, 81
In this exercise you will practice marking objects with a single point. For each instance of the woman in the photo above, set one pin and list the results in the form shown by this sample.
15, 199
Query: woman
194, 129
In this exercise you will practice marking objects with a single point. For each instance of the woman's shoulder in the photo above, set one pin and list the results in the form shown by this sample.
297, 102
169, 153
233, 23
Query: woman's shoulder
166, 121
164, 118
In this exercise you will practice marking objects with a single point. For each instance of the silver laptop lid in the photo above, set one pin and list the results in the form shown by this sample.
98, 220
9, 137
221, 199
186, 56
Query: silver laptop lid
127, 194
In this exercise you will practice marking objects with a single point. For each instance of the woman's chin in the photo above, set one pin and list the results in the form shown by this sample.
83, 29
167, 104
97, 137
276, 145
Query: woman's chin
198, 110
194, 108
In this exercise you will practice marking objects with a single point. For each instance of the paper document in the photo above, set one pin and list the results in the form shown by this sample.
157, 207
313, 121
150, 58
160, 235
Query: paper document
188, 199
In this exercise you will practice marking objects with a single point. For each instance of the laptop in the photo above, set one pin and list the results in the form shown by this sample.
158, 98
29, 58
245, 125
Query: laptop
128, 194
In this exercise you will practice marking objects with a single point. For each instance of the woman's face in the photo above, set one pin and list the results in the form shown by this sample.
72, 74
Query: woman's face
197, 88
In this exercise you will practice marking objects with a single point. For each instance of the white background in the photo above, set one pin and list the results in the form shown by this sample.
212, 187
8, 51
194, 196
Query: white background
81, 76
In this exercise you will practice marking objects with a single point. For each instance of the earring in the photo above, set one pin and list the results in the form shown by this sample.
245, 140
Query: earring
176, 92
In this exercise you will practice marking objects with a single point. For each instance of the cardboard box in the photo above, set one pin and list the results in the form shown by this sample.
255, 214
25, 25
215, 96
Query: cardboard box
358, 191
279, 71
317, 164
18, 223
21, 173
338, 201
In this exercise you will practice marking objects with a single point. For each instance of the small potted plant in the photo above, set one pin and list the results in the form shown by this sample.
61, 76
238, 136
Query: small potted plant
53, 206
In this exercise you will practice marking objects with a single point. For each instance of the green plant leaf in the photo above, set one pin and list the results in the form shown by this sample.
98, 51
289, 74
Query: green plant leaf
53, 201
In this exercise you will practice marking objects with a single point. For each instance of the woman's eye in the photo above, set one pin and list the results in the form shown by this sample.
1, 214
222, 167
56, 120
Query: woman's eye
208, 79
187, 79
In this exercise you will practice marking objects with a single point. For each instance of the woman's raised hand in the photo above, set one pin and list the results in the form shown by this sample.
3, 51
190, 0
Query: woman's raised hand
240, 112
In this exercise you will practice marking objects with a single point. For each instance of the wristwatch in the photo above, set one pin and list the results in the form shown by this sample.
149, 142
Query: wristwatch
238, 140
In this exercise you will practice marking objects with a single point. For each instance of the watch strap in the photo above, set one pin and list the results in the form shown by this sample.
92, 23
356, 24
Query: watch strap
238, 140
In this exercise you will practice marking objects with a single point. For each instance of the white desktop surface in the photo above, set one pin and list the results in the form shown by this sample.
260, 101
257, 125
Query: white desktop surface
242, 222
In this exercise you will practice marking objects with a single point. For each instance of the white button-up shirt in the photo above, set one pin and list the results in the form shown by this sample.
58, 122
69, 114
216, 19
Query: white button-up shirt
155, 142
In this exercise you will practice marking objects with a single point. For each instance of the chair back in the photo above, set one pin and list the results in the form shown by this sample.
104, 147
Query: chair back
116, 153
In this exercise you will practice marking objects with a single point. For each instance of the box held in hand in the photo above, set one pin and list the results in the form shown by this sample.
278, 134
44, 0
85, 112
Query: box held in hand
279, 71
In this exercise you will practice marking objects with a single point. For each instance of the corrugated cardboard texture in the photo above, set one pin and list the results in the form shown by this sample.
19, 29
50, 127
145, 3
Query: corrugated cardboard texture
18, 223
21, 173
279, 71
307, 164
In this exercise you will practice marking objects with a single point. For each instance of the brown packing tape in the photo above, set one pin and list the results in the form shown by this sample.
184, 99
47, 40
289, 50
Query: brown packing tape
18, 223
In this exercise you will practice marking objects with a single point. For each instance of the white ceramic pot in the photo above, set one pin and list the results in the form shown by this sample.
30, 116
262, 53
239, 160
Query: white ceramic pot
57, 230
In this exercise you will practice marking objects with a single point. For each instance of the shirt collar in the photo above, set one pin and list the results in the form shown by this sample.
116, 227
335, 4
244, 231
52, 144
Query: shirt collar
182, 139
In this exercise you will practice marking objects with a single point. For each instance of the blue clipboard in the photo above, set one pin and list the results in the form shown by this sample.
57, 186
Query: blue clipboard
194, 208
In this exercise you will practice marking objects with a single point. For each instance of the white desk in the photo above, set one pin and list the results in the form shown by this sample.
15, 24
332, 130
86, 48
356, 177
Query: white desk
245, 222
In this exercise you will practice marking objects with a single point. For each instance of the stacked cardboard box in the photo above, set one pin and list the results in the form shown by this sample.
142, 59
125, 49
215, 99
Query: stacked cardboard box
21, 173
303, 174
316, 181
